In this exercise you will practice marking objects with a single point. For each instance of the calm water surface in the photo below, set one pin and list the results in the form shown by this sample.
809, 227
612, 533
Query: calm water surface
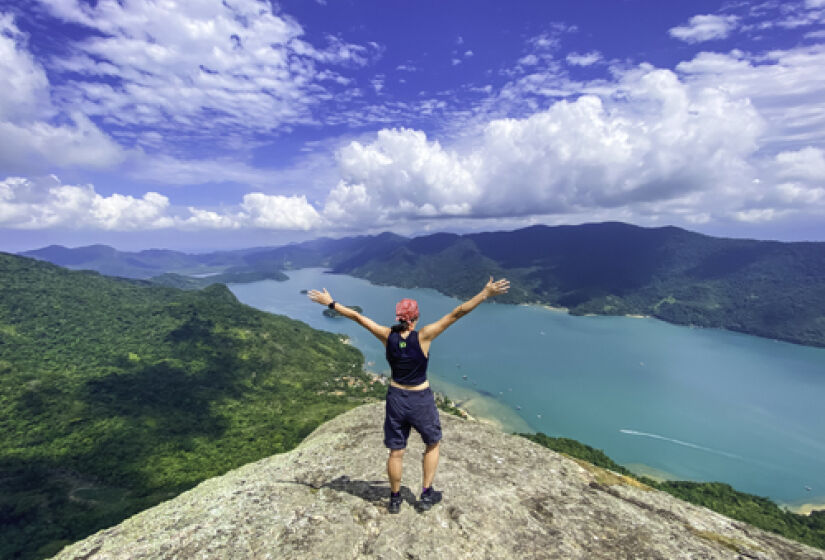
697, 404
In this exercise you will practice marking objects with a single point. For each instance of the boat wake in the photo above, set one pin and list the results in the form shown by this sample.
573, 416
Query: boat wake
680, 442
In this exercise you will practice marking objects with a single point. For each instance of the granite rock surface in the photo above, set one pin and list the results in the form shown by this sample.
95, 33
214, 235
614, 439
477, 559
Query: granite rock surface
504, 497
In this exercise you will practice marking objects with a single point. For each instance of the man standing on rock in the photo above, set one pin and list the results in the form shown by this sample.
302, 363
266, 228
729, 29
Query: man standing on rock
410, 401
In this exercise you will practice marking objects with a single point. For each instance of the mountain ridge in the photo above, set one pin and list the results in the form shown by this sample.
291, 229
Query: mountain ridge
764, 288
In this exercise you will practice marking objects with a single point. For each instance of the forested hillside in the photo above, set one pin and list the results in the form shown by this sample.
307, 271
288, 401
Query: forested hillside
766, 288
117, 394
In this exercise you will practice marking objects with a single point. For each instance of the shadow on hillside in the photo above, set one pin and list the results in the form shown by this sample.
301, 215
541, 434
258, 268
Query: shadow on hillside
375, 492
176, 393
726, 262
177, 402
168, 403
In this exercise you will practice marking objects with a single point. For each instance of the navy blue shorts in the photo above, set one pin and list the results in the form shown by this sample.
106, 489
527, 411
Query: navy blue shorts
406, 409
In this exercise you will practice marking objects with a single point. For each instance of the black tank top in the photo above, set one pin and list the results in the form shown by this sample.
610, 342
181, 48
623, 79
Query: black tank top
407, 361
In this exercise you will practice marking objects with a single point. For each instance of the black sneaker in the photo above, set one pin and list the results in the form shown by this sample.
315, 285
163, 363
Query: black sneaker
395, 503
428, 500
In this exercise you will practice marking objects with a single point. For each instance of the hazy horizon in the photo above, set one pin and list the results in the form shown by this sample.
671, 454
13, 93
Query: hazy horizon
131, 246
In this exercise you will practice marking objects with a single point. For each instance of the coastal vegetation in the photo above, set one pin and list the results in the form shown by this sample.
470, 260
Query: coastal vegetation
117, 394
722, 498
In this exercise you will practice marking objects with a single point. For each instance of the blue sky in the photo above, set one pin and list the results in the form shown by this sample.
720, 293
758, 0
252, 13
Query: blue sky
205, 124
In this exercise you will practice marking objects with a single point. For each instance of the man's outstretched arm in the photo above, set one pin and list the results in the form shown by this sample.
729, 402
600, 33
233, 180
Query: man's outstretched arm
431, 331
379, 331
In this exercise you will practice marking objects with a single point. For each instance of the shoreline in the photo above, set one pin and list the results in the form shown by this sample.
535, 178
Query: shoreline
643, 469
480, 407
477, 406
560, 309
804, 508
546, 306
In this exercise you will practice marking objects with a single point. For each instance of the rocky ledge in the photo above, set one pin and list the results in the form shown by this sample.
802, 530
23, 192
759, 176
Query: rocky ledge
504, 497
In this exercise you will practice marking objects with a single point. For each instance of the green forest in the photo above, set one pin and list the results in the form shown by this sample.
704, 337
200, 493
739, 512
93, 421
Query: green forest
117, 394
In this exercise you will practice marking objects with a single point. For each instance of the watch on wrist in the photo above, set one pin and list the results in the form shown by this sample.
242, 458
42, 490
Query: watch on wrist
332, 305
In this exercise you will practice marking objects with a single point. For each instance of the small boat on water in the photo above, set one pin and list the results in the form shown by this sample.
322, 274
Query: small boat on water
808, 488
464, 377
518, 407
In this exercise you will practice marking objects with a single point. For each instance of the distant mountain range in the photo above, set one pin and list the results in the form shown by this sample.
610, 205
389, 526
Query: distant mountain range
765, 288
161, 266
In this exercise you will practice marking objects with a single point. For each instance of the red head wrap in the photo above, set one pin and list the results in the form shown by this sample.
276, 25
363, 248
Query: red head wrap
406, 310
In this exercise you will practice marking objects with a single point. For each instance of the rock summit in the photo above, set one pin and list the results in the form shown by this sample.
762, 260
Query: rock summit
504, 497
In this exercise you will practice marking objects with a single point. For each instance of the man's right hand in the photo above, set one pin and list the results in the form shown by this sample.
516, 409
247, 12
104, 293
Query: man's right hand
495, 288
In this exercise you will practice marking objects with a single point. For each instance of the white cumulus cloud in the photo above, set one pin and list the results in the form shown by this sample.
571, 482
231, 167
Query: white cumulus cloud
757, 215
279, 212
38, 145
654, 138
400, 174
805, 164
785, 86
587, 59
200, 218
47, 203
30, 139
25, 91
704, 27
204, 65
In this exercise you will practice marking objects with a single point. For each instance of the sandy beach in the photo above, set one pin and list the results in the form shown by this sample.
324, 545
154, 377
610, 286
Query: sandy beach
642, 469
806, 508
547, 307
481, 407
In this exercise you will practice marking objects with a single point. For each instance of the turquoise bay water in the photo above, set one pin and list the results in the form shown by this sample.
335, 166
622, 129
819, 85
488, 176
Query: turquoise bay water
699, 404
